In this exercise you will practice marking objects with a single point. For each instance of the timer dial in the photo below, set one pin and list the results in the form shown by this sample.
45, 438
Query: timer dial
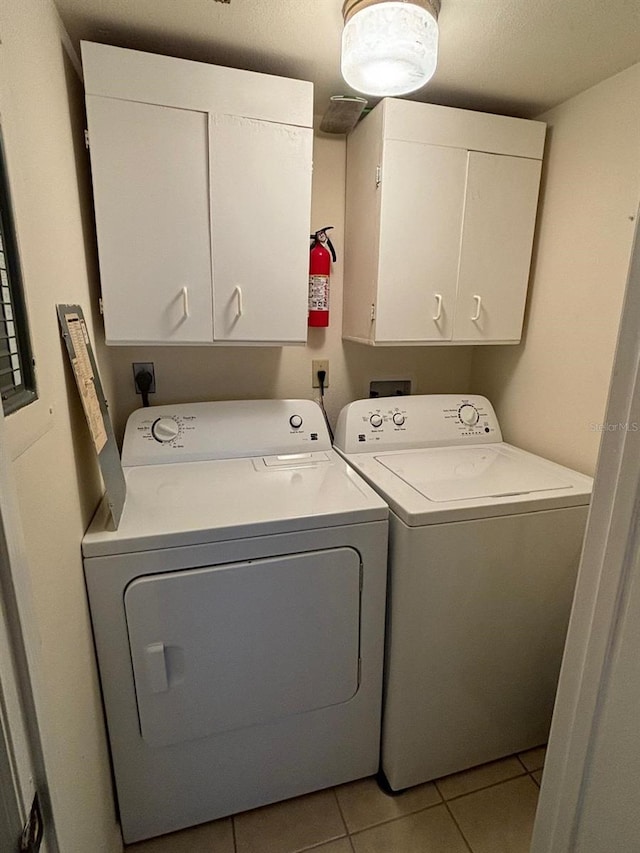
295, 421
398, 418
375, 421
468, 414
165, 429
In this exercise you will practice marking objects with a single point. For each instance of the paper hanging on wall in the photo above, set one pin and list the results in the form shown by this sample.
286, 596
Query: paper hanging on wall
86, 380
85, 371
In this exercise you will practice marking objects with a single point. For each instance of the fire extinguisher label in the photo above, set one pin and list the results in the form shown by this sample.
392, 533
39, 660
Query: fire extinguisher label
318, 292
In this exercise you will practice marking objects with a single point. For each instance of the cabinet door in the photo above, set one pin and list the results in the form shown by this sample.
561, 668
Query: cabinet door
420, 220
151, 196
495, 254
260, 209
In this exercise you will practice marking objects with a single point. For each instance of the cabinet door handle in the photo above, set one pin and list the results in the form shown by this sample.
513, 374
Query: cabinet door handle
238, 295
185, 302
478, 300
438, 313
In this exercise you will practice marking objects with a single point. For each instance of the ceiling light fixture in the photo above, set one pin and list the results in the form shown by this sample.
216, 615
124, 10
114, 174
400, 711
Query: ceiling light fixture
389, 47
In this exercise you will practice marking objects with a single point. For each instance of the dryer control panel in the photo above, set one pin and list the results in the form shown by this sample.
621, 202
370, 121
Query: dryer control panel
195, 432
402, 423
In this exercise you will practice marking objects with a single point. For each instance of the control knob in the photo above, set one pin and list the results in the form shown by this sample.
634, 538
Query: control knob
375, 421
398, 418
295, 421
165, 429
468, 415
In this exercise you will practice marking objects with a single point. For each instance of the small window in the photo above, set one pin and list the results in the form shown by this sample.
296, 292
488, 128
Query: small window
17, 380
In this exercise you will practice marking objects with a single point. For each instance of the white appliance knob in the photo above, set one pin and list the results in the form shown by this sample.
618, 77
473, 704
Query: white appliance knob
165, 429
375, 421
295, 421
398, 418
469, 415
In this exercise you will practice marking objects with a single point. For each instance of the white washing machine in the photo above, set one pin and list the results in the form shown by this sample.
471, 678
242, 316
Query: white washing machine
485, 541
238, 613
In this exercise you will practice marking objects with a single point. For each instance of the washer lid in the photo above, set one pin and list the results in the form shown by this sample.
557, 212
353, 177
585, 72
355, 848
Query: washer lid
445, 474
441, 484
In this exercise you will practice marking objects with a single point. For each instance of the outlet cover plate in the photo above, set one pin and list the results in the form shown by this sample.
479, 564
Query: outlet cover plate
316, 365
144, 365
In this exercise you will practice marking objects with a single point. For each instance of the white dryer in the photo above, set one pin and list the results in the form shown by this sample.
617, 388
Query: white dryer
485, 541
238, 613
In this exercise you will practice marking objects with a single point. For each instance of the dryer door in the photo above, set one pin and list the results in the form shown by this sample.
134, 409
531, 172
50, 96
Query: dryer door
223, 647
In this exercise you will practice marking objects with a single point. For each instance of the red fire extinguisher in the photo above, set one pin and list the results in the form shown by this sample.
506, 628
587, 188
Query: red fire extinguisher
319, 276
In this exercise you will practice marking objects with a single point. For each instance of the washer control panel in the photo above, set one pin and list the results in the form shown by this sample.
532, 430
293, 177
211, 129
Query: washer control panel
379, 418
399, 423
193, 432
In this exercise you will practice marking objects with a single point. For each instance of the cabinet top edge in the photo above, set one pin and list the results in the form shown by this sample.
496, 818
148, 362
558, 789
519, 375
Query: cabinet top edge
434, 124
441, 109
135, 75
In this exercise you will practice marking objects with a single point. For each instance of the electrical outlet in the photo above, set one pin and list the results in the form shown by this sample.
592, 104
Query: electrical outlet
148, 366
317, 365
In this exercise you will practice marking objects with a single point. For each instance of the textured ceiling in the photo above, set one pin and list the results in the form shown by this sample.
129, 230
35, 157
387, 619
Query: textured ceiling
517, 57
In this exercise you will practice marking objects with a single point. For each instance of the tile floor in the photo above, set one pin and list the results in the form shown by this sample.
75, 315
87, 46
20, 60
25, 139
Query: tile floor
489, 809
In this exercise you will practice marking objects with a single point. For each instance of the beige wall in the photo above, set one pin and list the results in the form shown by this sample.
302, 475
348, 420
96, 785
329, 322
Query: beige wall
56, 475
551, 390
219, 373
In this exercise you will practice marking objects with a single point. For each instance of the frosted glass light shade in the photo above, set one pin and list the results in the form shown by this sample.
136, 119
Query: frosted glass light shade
389, 48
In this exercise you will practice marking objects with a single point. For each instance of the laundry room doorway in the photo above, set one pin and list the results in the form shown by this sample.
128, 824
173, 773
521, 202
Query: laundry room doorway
10, 822
15, 765
21, 765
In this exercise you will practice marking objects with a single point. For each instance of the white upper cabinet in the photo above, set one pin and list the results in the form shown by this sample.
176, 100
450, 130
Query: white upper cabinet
202, 193
495, 251
441, 208
152, 221
260, 202
418, 263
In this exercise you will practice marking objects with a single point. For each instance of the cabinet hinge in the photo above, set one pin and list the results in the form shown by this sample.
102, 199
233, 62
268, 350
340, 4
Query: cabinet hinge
378, 176
100, 305
87, 144
373, 310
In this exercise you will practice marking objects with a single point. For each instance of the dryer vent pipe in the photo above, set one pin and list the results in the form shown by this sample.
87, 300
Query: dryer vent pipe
342, 114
